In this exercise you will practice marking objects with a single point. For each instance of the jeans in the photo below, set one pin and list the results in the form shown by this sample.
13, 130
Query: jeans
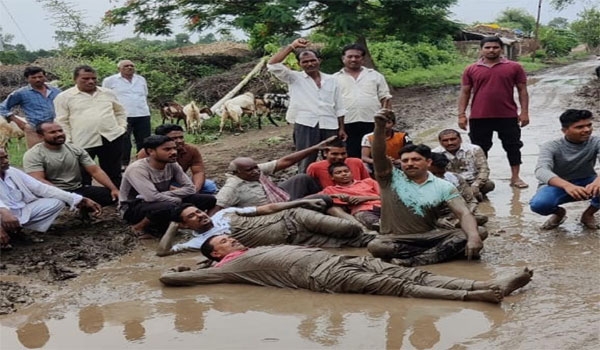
548, 198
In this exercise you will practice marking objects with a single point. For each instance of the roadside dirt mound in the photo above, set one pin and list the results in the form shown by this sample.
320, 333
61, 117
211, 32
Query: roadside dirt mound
591, 95
218, 48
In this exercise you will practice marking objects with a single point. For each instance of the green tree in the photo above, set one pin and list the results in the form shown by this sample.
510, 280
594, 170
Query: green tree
559, 23
587, 28
517, 19
342, 21
557, 42
207, 39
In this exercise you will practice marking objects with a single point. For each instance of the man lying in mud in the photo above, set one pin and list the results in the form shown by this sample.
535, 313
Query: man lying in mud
410, 207
271, 224
314, 269
565, 170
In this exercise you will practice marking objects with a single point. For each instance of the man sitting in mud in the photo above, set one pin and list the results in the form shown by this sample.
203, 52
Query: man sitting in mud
28, 203
60, 164
335, 152
411, 199
270, 224
439, 162
565, 170
188, 157
467, 160
147, 195
360, 197
314, 269
248, 183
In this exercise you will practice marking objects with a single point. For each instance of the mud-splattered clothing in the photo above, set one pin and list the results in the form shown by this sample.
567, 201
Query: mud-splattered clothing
291, 226
409, 213
470, 162
320, 271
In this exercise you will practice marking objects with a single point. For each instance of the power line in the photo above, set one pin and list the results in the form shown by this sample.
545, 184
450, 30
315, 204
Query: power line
16, 24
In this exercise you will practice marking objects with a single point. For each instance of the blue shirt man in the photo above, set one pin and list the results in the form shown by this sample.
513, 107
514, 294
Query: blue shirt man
36, 100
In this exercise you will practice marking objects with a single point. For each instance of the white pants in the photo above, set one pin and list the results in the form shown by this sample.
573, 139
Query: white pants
39, 214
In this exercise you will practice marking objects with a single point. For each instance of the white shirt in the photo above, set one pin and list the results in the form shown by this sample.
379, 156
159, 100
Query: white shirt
362, 96
309, 104
133, 95
220, 227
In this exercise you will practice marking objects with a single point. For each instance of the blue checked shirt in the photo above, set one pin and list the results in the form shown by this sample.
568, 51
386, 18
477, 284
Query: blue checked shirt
37, 108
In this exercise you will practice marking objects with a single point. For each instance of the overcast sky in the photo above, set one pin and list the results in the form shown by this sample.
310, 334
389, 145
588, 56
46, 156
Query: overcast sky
29, 23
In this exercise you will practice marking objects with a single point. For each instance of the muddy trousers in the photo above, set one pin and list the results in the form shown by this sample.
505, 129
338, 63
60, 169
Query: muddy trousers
422, 248
39, 214
366, 275
298, 226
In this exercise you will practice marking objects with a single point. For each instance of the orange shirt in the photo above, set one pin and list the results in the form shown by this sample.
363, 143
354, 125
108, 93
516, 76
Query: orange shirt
319, 171
393, 144
366, 187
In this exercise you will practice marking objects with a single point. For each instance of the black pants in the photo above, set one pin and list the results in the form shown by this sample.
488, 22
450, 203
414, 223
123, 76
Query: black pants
509, 132
98, 194
109, 157
355, 132
300, 186
159, 213
140, 127
306, 136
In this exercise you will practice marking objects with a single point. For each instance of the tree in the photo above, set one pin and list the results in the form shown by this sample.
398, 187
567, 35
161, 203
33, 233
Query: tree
207, 39
517, 19
265, 21
71, 25
559, 23
587, 28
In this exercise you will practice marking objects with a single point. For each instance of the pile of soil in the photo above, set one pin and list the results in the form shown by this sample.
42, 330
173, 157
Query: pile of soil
218, 49
591, 95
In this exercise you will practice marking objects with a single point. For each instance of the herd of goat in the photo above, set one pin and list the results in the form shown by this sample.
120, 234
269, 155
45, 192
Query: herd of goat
232, 110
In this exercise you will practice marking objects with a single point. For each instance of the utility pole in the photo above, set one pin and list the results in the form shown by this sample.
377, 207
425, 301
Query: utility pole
537, 30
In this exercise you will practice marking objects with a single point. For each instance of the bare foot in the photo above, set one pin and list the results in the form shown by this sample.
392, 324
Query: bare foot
509, 284
487, 295
587, 218
555, 219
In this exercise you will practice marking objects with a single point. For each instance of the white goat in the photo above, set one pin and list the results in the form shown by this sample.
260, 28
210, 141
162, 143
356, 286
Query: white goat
194, 117
234, 109
9, 131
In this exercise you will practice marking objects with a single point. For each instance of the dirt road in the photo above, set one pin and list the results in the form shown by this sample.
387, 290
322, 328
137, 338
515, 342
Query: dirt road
120, 304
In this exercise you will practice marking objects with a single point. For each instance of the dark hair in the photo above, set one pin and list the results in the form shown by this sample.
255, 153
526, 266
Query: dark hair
354, 46
572, 116
164, 129
84, 68
38, 127
490, 39
422, 149
154, 141
176, 211
332, 167
439, 160
337, 142
301, 53
448, 132
207, 249
31, 70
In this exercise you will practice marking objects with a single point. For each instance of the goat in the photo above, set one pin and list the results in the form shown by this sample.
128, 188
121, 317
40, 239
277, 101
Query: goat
194, 117
9, 131
242, 104
172, 111
277, 102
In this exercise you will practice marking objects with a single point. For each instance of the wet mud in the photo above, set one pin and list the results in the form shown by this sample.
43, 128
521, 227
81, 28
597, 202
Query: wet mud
94, 287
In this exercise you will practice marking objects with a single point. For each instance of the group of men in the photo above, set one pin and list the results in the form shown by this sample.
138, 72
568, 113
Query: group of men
394, 210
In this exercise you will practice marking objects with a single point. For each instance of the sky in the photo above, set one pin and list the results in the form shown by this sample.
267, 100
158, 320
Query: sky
31, 26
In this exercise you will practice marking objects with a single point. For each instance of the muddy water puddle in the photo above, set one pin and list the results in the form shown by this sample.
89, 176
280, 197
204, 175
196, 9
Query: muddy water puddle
122, 304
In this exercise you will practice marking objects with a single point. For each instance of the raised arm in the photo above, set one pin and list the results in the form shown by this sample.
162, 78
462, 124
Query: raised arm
381, 163
166, 242
291, 159
280, 56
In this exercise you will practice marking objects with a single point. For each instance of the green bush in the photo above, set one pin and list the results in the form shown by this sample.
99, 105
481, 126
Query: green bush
395, 56
557, 42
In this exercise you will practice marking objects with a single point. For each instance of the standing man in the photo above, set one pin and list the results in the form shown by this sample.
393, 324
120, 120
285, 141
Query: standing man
491, 82
316, 106
36, 100
61, 164
93, 119
146, 195
132, 91
565, 170
364, 92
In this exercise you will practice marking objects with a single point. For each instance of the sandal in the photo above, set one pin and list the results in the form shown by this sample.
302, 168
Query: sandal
519, 184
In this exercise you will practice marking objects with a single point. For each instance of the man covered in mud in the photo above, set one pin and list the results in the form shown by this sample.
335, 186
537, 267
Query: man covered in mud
565, 170
467, 160
28, 203
147, 195
314, 269
271, 224
411, 200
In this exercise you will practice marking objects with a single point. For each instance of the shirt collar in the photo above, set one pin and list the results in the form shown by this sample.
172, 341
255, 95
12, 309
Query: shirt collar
430, 178
502, 60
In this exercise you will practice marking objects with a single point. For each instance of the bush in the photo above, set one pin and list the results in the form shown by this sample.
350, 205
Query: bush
395, 56
557, 42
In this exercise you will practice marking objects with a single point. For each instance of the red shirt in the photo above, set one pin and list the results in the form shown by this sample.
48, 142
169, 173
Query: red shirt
319, 171
227, 258
493, 88
366, 187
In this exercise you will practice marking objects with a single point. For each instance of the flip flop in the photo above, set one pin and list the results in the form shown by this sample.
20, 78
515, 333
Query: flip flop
519, 184
552, 225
